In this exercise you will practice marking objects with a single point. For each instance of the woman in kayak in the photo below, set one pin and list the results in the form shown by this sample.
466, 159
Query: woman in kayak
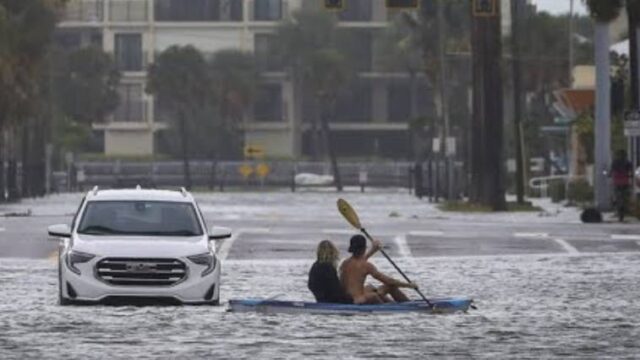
323, 276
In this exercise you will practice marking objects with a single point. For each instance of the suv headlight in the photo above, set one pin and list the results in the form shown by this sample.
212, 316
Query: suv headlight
207, 259
77, 257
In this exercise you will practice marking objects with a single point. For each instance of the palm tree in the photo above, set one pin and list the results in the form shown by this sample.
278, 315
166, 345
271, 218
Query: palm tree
234, 78
180, 80
633, 12
603, 12
307, 44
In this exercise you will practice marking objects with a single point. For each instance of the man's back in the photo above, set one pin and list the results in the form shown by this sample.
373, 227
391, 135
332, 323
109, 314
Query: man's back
353, 273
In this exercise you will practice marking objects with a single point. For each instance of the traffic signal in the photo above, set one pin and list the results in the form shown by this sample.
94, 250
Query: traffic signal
402, 4
334, 4
485, 7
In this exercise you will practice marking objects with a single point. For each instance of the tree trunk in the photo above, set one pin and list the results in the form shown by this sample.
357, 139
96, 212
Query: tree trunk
26, 159
476, 184
488, 116
185, 149
327, 111
603, 117
3, 187
517, 97
634, 63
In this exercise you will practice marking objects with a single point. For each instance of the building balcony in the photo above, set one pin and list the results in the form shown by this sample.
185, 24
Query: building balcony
128, 11
83, 11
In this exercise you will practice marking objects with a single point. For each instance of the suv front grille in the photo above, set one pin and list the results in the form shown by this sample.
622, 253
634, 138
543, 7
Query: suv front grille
141, 271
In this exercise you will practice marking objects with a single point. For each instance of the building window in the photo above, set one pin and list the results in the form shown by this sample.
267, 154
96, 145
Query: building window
268, 104
354, 103
266, 57
132, 104
128, 52
357, 44
356, 10
267, 10
198, 10
398, 102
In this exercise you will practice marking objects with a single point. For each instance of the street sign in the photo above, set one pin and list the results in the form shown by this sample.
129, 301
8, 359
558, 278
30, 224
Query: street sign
263, 170
436, 145
632, 128
253, 151
402, 4
451, 146
632, 115
334, 4
245, 170
485, 8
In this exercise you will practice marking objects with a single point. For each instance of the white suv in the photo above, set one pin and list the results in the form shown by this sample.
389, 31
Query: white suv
130, 245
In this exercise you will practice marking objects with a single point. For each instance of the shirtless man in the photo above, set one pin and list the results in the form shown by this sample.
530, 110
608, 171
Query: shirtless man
354, 271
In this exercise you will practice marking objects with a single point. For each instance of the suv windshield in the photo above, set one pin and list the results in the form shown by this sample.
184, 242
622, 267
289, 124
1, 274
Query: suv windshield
162, 218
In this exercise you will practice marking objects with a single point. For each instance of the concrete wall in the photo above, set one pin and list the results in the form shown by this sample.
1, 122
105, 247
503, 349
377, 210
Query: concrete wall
128, 142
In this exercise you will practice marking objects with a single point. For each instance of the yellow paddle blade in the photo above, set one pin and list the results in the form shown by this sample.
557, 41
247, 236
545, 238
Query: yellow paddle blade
347, 211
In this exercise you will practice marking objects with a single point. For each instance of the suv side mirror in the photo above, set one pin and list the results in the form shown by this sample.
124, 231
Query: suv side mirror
219, 233
59, 231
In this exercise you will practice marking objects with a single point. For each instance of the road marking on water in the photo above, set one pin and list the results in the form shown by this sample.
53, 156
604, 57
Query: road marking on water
224, 249
566, 246
338, 231
426, 233
531, 235
257, 230
625, 237
403, 246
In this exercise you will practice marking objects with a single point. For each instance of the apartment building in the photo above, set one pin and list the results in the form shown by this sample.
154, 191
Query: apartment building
371, 116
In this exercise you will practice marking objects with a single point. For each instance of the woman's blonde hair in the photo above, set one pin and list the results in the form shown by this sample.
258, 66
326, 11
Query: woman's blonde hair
328, 253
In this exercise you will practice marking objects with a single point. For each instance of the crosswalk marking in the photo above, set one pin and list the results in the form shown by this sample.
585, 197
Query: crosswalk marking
403, 247
338, 231
531, 235
223, 250
427, 233
625, 237
566, 246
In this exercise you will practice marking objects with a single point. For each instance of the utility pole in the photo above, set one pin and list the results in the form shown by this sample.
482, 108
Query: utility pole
517, 96
444, 101
488, 166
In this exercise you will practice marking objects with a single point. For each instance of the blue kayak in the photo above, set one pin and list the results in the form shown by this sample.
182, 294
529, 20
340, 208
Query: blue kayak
268, 306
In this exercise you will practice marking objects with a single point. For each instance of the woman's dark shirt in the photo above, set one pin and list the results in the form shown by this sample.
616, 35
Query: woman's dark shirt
325, 285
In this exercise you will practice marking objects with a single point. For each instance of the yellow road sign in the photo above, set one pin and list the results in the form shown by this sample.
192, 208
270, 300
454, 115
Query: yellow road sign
263, 170
253, 151
245, 170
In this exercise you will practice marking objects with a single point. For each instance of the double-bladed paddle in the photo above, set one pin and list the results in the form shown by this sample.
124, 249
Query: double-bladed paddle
352, 218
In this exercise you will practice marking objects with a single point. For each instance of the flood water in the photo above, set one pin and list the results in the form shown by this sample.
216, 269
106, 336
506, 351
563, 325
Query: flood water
534, 307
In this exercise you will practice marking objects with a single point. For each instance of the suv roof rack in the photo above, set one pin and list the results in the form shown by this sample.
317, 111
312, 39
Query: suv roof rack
95, 190
183, 191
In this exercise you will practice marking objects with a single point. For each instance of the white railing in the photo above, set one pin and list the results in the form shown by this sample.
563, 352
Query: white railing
541, 184
83, 11
128, 10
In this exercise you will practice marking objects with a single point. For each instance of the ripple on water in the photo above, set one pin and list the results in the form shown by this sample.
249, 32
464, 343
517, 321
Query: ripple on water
529, 307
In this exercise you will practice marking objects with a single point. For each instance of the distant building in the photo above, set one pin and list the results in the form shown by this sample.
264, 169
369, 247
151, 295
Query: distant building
372, 115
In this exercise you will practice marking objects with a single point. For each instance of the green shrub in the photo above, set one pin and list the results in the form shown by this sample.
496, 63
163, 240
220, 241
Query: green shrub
579, 192
557, 190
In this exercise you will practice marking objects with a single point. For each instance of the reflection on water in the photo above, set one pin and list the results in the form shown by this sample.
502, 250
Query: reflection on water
529, 307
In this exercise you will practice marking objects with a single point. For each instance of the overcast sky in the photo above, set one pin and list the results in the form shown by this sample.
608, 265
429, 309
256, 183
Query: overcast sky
559, 6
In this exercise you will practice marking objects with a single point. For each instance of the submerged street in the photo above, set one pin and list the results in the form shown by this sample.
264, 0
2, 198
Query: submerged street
545, 284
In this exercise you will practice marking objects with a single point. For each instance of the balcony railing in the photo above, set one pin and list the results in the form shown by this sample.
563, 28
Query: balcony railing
132, 64
128, 10
83, 11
